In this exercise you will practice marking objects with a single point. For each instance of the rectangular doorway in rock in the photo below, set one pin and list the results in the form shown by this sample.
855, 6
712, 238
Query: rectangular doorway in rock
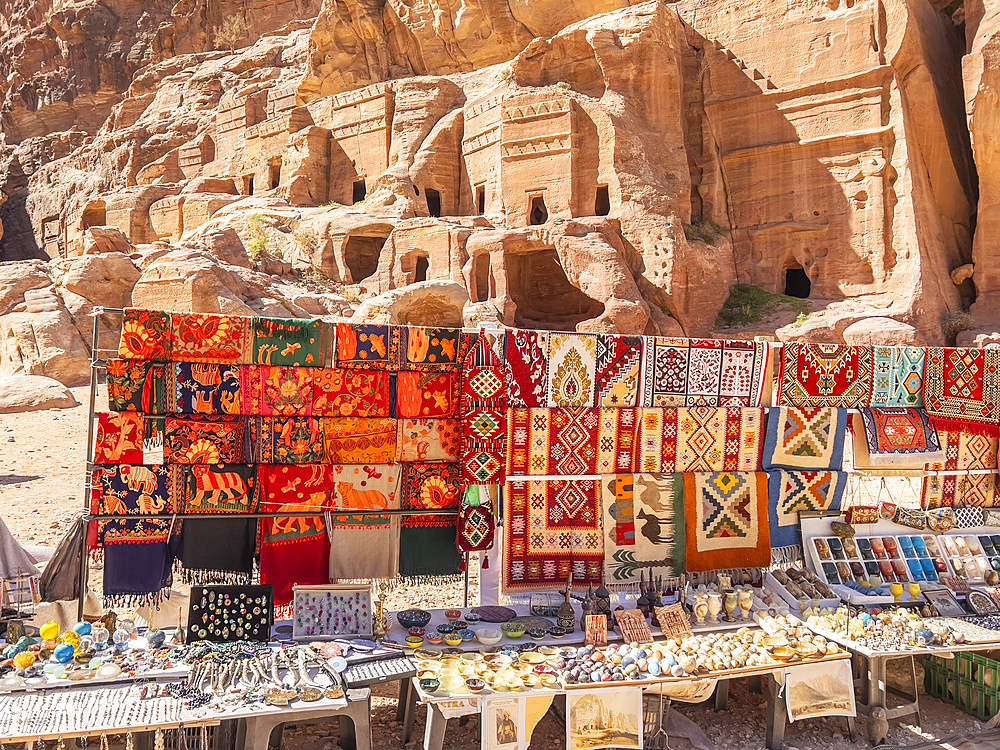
420, 272
248, 185
274, 174
433, 201
543, 295
481, 199
797, 283
95, 214
414, 267
361, 255
483, 284
602, 203
360, 190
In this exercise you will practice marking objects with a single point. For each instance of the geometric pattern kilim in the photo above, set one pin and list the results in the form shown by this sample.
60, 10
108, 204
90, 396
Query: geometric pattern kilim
805, 438
728, 527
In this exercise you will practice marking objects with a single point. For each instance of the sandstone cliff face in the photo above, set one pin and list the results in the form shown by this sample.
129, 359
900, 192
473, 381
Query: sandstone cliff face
597, 165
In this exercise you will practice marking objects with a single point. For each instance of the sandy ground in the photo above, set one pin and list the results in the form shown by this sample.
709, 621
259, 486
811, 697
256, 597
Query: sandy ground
42, 459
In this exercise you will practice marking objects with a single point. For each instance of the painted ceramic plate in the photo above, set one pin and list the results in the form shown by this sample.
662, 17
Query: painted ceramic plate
495, 614
982, 603
531, 621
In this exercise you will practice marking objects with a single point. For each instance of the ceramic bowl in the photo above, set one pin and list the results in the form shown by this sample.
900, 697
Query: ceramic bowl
453, 639
512, 629
489, 636
536, 633
414, 641
475, 684
430, 684
416, 631
460, 624
557, 631
472, 618
444, 629
467, 634
547, 680
435, 638
413, 618
452, 614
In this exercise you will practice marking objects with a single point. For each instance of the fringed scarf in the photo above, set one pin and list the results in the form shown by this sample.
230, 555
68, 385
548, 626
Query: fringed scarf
219, 549
427, 541
138, 557
962, 389
364, 544
294, 549
281, 341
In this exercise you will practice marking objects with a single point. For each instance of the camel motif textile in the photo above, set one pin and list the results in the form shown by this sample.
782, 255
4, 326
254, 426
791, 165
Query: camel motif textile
204, 440
962, 389
825, 375
294, 549
205, 388
364, 544
119, 438
726, 521
302, 343
551, 529
643, 526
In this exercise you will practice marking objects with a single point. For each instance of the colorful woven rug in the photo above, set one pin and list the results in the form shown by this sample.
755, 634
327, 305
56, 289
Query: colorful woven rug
294, 549
705, 438
119, 438
365, 544
962, 450
664, 371
792, 491
962, 389
427, 541
618, 368
277, 391
643, 526
360, 440
899, 376
302, 343
199, 337
146, 334
284, 440
137, 385
429, 440
726, 521
572, 364
526, 364
570, 442
726, 373
369, 347
552, 528
200, 388
350, 393
825, 375
484, 417
806, 438
895, 436
204, 440
226, 492
434, 349
427, 394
